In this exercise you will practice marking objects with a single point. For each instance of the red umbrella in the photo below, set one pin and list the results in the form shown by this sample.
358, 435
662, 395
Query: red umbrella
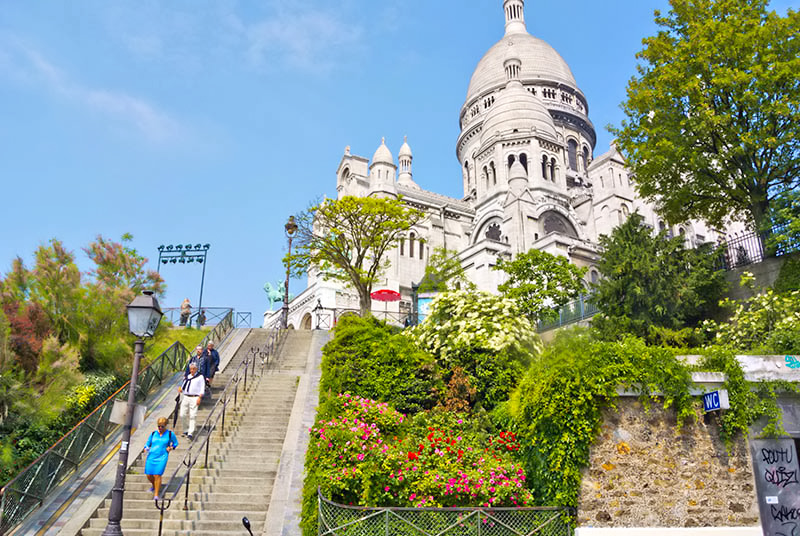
385, 295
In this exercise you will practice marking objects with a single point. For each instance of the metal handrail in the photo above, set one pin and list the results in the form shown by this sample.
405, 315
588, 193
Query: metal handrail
217, 415
379, 520
19, 496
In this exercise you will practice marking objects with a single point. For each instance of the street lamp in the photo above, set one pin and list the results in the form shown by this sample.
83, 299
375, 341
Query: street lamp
291, 229
144, 314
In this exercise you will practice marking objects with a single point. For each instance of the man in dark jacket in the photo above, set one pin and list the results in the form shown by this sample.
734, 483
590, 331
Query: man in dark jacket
213, 361
201, 360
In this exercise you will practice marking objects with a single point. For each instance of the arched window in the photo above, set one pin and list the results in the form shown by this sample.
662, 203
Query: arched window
585, 158
402, 245
485, 177
662, 226
623, 214
553, 222
345, 174
493, 172
523, 159
572, 153
544, 167
468, 175
553, 169
511, 160
595, 276
411, 245
421, 248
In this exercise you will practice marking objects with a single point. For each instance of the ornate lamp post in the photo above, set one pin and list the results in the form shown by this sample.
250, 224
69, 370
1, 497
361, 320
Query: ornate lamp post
144, 314
291, 229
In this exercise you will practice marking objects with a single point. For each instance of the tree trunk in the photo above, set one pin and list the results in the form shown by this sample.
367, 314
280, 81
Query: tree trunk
365, 302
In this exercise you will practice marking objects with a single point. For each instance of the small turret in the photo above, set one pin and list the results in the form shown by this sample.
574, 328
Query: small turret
382, 171
405, 157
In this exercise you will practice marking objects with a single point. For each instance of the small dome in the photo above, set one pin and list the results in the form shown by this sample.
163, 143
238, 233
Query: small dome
517, 110
405, 150
382, 154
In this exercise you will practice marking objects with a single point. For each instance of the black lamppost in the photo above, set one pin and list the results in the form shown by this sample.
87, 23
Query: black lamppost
291, 229
144, 314
185, 254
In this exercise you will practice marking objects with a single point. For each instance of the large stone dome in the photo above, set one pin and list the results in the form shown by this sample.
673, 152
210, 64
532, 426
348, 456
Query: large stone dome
540, 61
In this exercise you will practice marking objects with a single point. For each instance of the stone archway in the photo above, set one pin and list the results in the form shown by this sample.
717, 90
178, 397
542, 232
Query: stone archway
305, 323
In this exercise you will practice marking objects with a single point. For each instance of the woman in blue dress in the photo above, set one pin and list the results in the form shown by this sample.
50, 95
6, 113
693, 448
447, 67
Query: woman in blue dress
158, 445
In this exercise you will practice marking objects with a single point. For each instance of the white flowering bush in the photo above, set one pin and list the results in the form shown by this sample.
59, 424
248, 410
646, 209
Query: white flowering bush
485, 335
769, 322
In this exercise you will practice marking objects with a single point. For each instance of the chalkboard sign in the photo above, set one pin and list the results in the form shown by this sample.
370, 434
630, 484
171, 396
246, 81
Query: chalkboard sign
777, 485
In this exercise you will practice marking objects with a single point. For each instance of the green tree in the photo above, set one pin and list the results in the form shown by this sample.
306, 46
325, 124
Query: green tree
346, 240
120, 266
540, 282
444, 272
651, 281
713, 117
55, 285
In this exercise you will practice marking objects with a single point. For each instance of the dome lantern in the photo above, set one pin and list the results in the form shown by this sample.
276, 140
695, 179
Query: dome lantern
515, 16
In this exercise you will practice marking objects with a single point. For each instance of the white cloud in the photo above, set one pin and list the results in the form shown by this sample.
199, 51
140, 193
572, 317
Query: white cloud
25, 64
309, 40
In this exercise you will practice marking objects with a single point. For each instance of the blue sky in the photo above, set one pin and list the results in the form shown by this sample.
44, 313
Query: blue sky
211, 122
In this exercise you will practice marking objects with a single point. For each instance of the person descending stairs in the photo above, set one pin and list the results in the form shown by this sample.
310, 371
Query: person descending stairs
242, 462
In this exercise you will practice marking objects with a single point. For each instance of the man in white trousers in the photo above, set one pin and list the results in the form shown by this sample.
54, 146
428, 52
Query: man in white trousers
192, 390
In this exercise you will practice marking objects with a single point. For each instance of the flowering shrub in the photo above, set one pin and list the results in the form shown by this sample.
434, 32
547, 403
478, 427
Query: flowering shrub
768, 322
366, 453
483, 334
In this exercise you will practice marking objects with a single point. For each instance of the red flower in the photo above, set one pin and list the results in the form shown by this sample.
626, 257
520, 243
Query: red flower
412, 455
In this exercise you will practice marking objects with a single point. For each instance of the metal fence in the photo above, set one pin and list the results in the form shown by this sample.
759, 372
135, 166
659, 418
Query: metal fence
340, 520
741, 249
207, 316
569, 313
28, 490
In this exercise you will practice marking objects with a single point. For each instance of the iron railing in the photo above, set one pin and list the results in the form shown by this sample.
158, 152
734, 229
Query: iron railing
207, 316
569, 313
221, 329
199, 448
243, 319
742, 249
27, 491
337, 519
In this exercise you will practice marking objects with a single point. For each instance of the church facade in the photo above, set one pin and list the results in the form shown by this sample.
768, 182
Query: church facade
530, 177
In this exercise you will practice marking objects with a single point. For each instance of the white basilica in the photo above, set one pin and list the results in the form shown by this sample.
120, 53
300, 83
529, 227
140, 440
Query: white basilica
530, 177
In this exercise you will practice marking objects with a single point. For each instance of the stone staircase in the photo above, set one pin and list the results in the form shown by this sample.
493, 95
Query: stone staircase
242, 463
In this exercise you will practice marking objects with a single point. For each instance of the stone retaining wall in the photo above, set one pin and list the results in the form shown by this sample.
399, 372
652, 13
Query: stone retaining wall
644, 472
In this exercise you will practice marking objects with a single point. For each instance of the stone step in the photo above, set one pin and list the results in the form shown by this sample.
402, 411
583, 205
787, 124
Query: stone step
194, 526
